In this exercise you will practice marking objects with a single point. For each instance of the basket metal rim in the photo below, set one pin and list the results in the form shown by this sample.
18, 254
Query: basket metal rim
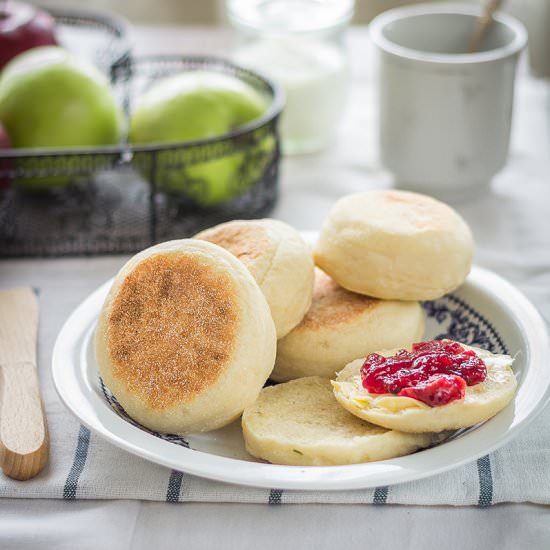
119, 25
271, 114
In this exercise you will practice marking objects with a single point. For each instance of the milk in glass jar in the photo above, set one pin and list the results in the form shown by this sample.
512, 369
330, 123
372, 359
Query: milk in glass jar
299, 43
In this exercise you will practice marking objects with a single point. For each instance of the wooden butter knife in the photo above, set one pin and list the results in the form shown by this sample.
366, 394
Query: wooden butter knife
23, 429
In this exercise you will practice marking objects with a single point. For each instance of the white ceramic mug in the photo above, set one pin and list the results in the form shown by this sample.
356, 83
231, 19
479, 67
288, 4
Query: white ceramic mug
445, 114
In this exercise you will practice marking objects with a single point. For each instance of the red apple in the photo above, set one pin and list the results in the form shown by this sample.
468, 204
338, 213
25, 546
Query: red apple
5, 143
23, 27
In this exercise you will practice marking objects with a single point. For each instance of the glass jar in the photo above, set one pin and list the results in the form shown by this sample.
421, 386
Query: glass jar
299, 43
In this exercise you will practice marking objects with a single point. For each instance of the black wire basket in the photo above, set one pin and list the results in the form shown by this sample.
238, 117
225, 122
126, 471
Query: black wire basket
102, 38
118, 199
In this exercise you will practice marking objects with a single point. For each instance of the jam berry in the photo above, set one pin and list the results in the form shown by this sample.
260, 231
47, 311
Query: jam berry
439, 389
435, 373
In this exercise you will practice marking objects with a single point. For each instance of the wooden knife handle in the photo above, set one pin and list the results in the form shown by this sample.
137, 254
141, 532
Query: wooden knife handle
23, 430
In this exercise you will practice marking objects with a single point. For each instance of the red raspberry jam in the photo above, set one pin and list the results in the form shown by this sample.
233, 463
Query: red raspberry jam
435, 373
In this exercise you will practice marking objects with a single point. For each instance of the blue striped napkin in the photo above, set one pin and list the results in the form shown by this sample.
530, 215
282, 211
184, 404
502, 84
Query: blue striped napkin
83, 466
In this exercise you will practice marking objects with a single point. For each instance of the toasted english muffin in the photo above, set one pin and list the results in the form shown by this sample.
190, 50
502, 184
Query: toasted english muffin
185, 339
481, 402
279, 260
395, 245
301, 423
341, 326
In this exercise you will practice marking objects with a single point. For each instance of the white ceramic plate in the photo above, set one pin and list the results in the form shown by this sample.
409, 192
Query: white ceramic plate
486, 311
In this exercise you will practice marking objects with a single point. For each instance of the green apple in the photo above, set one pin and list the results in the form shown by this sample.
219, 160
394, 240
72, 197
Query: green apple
53, 99
196, 105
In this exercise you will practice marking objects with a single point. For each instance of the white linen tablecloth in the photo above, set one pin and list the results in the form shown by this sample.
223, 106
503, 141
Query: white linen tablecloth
511, 225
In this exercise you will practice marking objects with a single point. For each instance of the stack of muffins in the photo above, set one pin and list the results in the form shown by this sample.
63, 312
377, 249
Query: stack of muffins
192, 329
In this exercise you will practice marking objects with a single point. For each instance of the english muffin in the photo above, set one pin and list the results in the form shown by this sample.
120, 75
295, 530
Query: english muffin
341, 326
479, 402
300, 423
279, 260
395, 245
185, 339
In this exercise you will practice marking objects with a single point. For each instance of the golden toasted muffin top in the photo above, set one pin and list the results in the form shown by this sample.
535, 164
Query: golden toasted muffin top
332, 304
419, 211
172, 328
247, 241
